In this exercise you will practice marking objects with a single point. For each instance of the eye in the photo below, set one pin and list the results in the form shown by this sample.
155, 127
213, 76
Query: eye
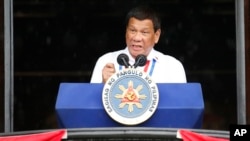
132, 30
145, 32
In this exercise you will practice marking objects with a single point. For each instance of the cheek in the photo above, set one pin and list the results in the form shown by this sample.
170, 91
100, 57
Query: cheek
128, 39
149, 42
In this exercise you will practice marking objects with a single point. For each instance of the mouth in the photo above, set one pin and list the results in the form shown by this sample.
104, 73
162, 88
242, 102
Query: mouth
136, 47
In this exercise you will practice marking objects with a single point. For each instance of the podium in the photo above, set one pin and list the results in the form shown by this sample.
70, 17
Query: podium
79, 105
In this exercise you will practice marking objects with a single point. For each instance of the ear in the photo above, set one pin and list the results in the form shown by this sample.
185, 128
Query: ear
157, 35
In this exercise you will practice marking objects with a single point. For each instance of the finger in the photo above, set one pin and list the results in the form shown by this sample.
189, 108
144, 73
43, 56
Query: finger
110, 68
108, 71
110, 65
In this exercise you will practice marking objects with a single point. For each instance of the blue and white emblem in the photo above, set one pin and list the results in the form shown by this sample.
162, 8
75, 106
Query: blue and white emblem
130, 97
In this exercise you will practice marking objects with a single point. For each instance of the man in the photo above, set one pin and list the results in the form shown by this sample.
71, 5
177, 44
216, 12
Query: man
143, 31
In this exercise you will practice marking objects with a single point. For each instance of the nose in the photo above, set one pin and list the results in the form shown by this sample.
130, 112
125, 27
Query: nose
137, 37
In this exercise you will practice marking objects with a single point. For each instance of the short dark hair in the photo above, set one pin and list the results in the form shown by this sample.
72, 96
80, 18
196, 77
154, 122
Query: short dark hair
142, 13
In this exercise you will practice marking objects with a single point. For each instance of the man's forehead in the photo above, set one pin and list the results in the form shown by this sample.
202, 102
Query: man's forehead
147, 23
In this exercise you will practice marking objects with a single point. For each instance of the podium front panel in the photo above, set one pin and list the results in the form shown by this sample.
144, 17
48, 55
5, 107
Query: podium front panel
80, 105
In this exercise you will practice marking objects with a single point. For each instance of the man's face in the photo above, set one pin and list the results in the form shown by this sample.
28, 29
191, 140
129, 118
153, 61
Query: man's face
141, 37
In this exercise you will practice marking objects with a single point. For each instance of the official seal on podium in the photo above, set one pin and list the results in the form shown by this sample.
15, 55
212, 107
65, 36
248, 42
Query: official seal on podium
130, 96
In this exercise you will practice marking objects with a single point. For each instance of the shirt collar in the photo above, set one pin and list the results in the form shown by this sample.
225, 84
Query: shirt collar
151, 56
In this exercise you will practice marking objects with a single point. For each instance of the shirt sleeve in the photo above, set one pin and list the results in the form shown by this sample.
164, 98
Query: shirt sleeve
97, 72
168, 70
101, 62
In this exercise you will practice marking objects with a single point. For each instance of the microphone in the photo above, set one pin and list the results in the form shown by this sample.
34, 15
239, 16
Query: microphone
140, 60
123, 59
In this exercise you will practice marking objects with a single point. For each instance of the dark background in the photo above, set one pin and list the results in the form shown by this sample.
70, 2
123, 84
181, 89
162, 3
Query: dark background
60, 40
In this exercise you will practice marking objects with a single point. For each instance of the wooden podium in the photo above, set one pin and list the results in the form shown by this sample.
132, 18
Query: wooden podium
80, 105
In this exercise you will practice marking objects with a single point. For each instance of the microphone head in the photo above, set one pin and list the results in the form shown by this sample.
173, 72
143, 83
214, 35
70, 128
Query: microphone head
123, 60
140, 60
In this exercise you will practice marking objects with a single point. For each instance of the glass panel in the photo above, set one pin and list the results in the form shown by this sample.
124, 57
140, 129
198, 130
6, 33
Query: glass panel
60, 40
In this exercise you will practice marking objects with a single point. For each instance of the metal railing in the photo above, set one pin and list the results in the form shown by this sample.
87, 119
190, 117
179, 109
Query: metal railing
125, 133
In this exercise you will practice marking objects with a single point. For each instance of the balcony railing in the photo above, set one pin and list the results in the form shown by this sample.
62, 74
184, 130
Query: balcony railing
125, 133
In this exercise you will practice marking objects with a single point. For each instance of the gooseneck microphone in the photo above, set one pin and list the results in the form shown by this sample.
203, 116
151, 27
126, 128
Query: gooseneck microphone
140, 60
123, 60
